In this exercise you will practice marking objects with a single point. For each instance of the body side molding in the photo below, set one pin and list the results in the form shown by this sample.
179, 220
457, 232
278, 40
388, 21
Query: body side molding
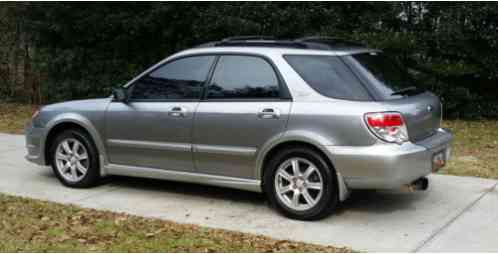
228, 150
184, 147
181, 147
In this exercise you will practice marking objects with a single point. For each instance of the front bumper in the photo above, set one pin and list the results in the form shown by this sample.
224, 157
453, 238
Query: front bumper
389, 166
34, 144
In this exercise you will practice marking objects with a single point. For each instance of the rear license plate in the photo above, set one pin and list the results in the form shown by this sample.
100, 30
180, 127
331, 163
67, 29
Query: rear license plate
438, 160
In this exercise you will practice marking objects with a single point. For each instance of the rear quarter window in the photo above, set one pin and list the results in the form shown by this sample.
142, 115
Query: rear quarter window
329, 76
383, 74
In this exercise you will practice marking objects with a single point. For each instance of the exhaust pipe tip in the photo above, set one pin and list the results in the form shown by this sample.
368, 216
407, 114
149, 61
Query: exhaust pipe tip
421, 184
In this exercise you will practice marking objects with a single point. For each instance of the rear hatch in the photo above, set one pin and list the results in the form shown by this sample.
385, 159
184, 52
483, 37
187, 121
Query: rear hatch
421, 112
393, 86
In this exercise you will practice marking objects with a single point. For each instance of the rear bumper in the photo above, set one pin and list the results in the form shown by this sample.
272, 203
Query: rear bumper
389, 166
34, 145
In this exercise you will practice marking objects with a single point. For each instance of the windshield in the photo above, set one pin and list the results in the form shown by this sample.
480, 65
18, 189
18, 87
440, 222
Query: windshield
387, 77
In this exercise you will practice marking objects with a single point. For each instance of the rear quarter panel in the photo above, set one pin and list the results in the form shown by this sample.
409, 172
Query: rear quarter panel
332, 123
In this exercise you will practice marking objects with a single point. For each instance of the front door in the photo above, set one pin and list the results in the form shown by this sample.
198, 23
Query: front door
245, 105
154, 128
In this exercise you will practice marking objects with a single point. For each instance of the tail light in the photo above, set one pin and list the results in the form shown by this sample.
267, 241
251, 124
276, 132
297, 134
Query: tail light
388, 126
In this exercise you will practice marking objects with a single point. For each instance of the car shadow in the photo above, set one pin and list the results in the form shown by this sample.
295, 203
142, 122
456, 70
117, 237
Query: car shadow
367, 201
360, 201
198, 190
371, 201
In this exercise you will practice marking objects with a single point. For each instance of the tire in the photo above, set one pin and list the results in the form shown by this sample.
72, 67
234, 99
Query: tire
75, 161
318, 203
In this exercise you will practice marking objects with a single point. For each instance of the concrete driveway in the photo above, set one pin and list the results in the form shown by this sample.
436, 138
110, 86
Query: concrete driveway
455, 214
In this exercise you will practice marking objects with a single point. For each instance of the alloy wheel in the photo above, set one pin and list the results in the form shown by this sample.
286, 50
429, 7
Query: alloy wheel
72, 160
298, 184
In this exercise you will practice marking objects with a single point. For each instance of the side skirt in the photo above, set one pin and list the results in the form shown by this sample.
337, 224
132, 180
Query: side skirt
222, 181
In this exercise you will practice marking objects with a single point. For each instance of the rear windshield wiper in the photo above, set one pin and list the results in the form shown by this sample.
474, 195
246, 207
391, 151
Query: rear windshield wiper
407, 91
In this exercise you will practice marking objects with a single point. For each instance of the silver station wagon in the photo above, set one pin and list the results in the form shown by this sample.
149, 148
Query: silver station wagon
305, 121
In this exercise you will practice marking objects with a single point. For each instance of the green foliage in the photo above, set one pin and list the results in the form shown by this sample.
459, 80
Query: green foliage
82, 50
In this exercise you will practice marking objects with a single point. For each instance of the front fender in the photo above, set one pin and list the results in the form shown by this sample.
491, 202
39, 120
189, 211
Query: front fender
86, 124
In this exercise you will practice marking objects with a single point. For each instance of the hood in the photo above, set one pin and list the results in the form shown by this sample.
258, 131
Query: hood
79, 105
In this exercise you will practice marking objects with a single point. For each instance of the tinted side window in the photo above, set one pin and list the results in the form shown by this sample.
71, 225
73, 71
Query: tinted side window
180, 79
329, 76
243, 77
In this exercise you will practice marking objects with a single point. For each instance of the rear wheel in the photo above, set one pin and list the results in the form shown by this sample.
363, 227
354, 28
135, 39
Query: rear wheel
75, 159
300, 184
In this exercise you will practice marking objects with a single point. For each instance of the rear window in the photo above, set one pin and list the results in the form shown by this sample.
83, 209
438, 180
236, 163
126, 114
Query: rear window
329, 76
384, 74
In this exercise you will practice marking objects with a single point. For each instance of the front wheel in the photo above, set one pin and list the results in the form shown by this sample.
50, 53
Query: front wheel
75, 159
301, 185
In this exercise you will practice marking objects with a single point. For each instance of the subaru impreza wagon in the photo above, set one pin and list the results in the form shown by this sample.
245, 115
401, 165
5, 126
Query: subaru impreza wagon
304, 121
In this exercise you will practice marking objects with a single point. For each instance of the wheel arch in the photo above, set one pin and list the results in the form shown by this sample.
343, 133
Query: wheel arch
298, 140
72, 120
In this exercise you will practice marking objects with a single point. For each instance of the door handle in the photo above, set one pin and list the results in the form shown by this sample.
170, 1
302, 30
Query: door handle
269, 113
177, 111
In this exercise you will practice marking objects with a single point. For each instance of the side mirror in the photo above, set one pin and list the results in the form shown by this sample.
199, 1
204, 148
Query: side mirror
120, 95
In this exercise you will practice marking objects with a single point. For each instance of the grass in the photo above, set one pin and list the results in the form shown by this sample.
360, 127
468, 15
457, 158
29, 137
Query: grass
28, 225
13, 117
474, 148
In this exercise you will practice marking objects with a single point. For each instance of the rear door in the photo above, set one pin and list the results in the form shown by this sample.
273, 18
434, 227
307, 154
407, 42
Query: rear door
246, 103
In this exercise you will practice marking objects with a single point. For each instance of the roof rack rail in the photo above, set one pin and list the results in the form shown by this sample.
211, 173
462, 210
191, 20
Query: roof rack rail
330, 41
262, 43
206, 44
248, 37
313, 42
